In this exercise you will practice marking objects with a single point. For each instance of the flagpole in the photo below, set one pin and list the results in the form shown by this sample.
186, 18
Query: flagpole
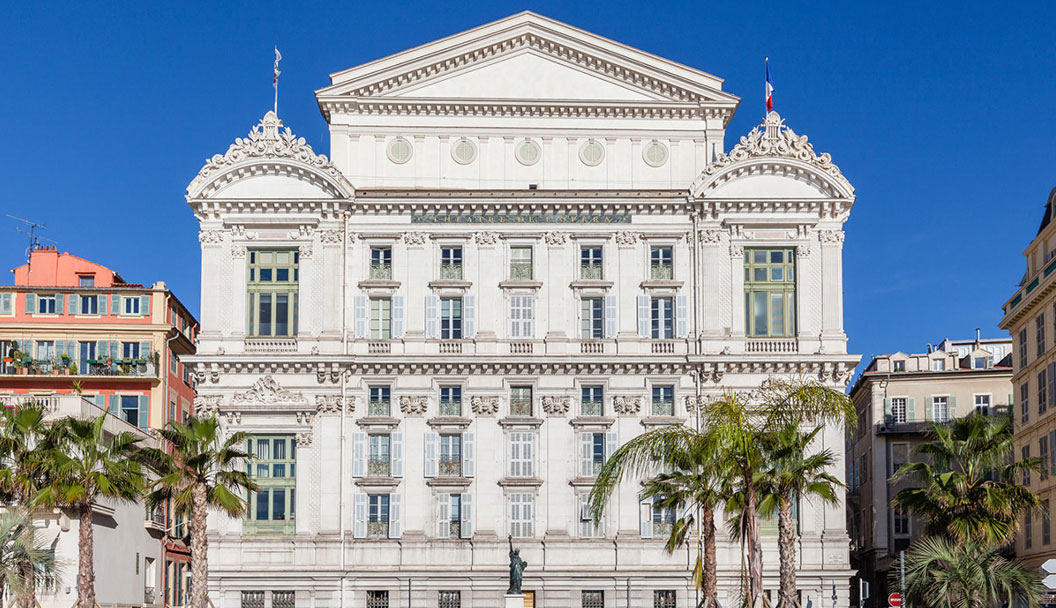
275, 80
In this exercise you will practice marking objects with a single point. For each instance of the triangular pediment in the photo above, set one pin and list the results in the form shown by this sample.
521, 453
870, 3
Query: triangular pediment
526, 58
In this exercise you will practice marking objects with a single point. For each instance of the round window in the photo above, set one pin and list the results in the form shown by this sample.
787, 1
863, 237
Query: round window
400, 150
463, 152
655, 154
528, 152
592, 153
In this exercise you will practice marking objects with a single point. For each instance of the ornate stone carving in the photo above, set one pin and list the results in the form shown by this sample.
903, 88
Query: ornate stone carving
352, 238
627, 238
736, 251
484, 406
238, 251
693, 403
304, 417
331, 404
206, 405
414, 239
710, 237
233, 417
556, 406
330, 237
626, 405
322, 375
305, 251
774, 139
304, 439
803, 251
486, 239
267, 391
210, 237
267, 139
830, 237
556, 239
413, 405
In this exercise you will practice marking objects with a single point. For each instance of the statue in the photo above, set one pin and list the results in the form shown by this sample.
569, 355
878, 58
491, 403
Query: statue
517, 566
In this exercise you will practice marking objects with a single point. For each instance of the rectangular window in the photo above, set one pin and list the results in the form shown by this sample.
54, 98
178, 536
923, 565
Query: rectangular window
88, 305
1027, 532
378, 516
592, 401
898, 366
1025, 452
940, 409
979, 363
769, 292
982, 404
174, 366
130, 305
451, 263
899, 456
522, 317
901, 521
588, 528
454, 515
450, 400
1022, 348
593, 447
522, 454
1042, 383
938, 365
663, 521
1039, 327
86, 280
520, 401
590, 268
521, 263
663, 400
273, 466
661, 264
451, 455
130, 350
379, 403
898, 410
449, 599
451, 318
593, 599
1043, 454
380, 318
250, 599
522, 515
273, 293
379, 456
591, 318
130, 409
664, 598
1046, 523
46, 305
381, 263
377, 599
46, 351
1024, 399
662, 318
87, 353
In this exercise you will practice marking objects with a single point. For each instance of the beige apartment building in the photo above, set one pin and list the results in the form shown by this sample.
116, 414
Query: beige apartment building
897, 399
1030, 317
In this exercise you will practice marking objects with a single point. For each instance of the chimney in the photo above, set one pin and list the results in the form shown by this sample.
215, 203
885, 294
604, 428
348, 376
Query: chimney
978, 337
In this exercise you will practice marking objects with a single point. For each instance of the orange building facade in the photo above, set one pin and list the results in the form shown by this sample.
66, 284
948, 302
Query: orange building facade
68, 325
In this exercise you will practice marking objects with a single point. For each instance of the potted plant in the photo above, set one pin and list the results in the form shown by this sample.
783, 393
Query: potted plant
78, 388
73, 369
56, 366
20, 366
65, 363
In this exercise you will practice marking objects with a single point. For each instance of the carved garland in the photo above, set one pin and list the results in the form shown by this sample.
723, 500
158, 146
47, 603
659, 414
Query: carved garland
267, 391
331, 404
626, 406
413, 405
556, 406
484, 406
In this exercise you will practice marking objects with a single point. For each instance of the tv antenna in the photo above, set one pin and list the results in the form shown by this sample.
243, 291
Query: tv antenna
31, 231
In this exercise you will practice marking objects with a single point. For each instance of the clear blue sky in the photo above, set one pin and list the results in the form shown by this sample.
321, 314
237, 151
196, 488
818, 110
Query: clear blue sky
940, 116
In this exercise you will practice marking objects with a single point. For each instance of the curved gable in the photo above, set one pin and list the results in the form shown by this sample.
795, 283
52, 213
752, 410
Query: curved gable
271, 163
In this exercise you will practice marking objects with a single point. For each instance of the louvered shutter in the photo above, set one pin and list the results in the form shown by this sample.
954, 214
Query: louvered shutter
31, 301
431, 325
359, 454
100, 402
359, 526
467, 515
586, 445
951, 410
509, 317
5, 303
144, 411
398, 323
611, 443
360, 314
144, 350
115, 405
101, 349
396, 444
469, 468
1052, 457
443, 516
395, 527
610, 316
430, 454
144, 305
681, 317
1052, 384
115, 350
643, 316
646, 517
929, 409
911, 410
115, 304
469, 316
74, 304
889, 416
60, 303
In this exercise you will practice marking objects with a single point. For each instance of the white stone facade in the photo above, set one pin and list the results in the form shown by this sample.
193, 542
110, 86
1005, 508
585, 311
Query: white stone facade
624, 159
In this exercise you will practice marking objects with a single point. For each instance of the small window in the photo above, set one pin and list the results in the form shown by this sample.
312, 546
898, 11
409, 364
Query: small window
451, 263
250, 599
898, 410
663, 521
938, 365
592, 153
381, 263
592, 401
898, 366
377, 599
451, 455
399, 150
451, 318
528, 153
380, 318
982, 404
379, 455
449, 599
662, 318
593, 599
521, 401
661, 263
86, 280
655, 154
940, 407
664, 598
901, 521
380, 401
283, 599
88, 305
46, 305
591, 318
663, 401
378, 516
521, 263
979, 363
590, 267
464, 152
450, 400
130, 305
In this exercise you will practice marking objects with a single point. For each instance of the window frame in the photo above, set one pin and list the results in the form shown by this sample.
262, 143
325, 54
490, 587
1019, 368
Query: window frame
276, 291
270, 484
786, 288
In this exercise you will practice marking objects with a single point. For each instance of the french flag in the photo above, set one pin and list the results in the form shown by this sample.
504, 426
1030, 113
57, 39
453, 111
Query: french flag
769, 88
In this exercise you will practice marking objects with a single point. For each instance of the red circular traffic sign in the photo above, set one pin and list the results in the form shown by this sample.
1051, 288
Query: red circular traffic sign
894, 600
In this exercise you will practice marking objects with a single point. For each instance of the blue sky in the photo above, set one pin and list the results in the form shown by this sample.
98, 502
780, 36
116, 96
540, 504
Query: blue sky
941, 116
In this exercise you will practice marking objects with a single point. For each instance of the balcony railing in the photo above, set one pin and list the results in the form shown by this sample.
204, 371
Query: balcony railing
377, 529
772, 345
661, 272
149, 595
379, 348
591, 407
520, 407
450, 348
450, 408
520, 348
451, 272
662, 529
271, 345
664, 407
381, 271
450, 467
592, 348
663, 348
521, 271
140, 368
379, 467
378, 407
590, 272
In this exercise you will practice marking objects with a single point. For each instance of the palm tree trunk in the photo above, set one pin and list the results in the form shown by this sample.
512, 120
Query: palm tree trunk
29, 577
710, 578
786, 528
755, 550
199, 548
85, 557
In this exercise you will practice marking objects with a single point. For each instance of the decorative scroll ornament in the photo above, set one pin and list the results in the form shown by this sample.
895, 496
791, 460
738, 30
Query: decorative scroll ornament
211, 237
830, 236
556, 406
268, 391
304, 439
414, 239
238, 251
625, 405
330, 237
736, 251
331, 404
774, 139
267, 140
486, 238
802, 251
206, 406
710, 237
484, 406
305, 251
627, 239
413, 406
556, 239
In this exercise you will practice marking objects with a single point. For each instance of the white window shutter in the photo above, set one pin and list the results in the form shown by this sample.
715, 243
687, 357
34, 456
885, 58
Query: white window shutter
443, 516
360, 327
430, 455
359, 454
681, 316
511, 515
469, 316
469, 468
585, 523
74, 304
395, 528
529, 463
396, 443
643, 316
359, 526
431, 326
586, 444
398, 323
509, 317
509, 454
647, 518
144, 305
5, 303
529, 315
611, 443
610, 316
467, 515
529, 516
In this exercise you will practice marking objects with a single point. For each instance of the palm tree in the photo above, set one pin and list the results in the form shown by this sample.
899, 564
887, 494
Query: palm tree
692, 485
794, 474
943, 572
85, 466
24, 559
968, 480
200, 472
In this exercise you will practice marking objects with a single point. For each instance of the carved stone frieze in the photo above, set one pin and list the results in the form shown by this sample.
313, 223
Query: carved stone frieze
233, 417
330, 237
693, 403
206, 406
627, 238
414, 239
304, 439
267, 391
556, 406
626, 405
710, 236
331, 404
736, 251
556, 239
413, 405
238, 251
211, 237
803, 251
305, 251
486, 239
830, 237
484, 406
304, 417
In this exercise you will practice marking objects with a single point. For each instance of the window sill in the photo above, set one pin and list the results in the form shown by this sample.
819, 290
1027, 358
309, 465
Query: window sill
379, 421
661, 284
662, 420
592, 421
521, 482
378, 482
448, 482
450, 284
582, 482
590, 284
509, 421
449, 421
520, 284
379, 284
